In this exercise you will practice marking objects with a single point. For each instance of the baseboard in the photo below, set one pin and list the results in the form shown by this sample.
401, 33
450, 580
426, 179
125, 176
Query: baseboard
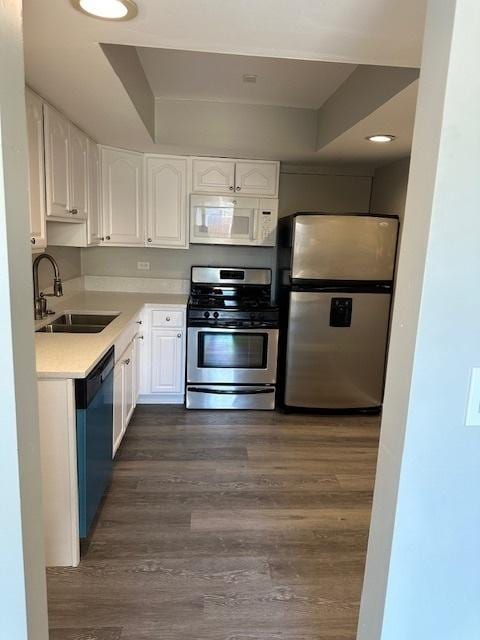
164, 398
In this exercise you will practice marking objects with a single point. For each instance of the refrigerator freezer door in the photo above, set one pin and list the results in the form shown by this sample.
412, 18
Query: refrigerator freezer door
344, 247
335, 363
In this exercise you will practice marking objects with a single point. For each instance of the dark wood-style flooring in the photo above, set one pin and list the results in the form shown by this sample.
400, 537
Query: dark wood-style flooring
226, 526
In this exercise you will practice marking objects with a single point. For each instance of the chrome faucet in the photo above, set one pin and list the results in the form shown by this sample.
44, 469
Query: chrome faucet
39, 298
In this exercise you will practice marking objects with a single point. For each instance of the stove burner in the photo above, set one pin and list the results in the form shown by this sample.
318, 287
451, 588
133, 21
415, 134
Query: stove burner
234, 306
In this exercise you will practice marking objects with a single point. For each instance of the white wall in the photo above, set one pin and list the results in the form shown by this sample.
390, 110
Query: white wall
170, 263
238, 130
422, 577
389, 188
23, 611
330, 193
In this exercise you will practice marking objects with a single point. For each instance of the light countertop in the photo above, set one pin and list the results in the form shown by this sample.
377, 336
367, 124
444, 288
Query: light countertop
73, 355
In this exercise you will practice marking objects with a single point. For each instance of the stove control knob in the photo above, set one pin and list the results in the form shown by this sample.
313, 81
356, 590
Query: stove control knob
215, 314
252, 316
207, 314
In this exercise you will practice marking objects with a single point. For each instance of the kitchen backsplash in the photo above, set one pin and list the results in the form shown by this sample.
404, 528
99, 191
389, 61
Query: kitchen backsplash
170, 263
69, 262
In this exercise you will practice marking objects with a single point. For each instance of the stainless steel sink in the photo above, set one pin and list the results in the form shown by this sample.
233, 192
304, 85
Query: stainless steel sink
78, 323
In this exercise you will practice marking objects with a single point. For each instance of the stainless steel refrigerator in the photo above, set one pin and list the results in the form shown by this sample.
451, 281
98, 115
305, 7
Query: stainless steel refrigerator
336, 280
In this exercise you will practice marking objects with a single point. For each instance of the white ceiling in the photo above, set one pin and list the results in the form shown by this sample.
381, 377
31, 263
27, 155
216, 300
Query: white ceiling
65, 64
399, 112
190, 75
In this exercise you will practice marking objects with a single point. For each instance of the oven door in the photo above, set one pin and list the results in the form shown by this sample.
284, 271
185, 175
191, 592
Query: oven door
232, 356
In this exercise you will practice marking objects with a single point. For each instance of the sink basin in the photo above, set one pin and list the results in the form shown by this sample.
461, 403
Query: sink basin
78, 323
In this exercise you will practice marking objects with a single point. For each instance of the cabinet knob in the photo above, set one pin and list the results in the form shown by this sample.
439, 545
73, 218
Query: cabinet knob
107, 237
74, 212
127, 361
139, 321
167, 318
238, 188
179, 335
140, 337
149, 239
231, 187
32, 240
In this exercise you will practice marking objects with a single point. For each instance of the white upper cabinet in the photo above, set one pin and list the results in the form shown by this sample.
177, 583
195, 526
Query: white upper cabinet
66, 168
78, 200
122, 190
256, 178
166, 201
213, 176
94, 230
36, 171
245, 177
57, 159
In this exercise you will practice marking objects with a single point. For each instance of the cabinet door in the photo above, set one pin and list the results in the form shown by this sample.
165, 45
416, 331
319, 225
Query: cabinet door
36, 171
118, 419
122, 177
94, 231
78, 173
256, 178
129, 384
57, 159
166, 201
213, 176
167, 372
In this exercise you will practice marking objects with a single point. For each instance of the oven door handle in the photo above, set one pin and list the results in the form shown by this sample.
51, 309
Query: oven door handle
238, 392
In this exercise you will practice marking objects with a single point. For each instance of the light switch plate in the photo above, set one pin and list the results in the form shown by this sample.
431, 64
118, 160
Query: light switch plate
472, 418
143, 266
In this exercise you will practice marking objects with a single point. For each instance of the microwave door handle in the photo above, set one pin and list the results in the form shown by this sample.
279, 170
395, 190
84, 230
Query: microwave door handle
256, 226
238, 392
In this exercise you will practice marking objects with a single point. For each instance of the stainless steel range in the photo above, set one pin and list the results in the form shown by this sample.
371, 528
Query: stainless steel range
232, 339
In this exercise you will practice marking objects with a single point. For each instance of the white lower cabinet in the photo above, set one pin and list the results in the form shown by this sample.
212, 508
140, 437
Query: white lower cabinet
129, 382
162, 363
125, 391
167, 361
118, 423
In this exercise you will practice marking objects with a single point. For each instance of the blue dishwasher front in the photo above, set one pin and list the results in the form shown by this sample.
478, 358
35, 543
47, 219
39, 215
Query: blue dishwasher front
94, 406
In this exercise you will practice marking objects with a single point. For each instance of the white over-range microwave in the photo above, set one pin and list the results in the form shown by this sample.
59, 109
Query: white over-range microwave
233, 220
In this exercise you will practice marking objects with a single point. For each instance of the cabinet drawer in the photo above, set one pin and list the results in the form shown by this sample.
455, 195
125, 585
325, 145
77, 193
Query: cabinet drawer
166, 318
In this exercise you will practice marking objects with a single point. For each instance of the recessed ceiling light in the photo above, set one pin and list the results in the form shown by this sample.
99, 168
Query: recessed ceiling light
250, 77
382, 138
107, 9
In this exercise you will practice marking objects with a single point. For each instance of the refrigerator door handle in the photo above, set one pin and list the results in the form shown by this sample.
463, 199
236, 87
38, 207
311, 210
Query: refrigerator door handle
326, 286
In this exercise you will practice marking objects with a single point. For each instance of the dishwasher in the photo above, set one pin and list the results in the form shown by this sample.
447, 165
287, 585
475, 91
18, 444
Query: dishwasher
94, 422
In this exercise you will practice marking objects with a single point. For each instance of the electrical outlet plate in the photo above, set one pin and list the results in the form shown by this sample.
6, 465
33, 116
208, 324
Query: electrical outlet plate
143, 266
472, 418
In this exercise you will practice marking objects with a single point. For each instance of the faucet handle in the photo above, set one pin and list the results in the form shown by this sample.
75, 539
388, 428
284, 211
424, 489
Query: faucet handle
57, 288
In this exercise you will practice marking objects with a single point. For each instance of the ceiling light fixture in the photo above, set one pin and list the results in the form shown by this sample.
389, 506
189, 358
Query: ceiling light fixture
107, 9
382, 138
